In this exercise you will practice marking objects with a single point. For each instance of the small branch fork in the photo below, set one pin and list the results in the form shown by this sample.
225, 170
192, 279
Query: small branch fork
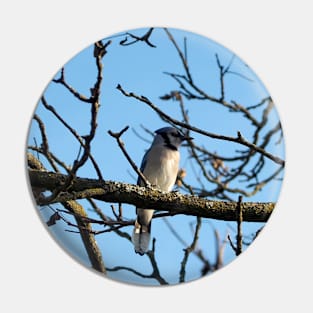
121, 144
144, 38
155, 274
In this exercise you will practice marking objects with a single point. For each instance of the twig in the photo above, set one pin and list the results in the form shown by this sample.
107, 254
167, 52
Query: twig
144, 38
61, 80
219, 246
121, 144
239, 218
52, 156
45, 146
155, 274
231, 243
85, 144
188, 250
239, 222
222, 74
182, 57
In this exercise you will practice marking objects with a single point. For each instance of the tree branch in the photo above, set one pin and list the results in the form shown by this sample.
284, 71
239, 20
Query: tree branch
117, 136
87, 236
239, 139
85, 228
173, 202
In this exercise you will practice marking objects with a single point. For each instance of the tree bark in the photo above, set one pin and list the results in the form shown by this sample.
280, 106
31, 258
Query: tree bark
87, 236
149, 198
79, 213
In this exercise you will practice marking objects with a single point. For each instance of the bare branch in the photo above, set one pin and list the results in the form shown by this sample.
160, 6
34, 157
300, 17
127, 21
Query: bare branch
239, 222
45, 146
149, 198
181, 55
188, 250
131, 162
85, 145
84, 226
88, 239
144, 38
239, 139
61, 80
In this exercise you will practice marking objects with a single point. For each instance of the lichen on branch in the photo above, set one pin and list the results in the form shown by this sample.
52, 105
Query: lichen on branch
147, 197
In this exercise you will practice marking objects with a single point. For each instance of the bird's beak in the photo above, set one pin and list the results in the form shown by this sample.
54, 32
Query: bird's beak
186, 138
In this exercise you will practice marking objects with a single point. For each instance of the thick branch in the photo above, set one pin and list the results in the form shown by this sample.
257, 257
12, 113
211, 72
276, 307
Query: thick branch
87, 236
146, 197
79, 213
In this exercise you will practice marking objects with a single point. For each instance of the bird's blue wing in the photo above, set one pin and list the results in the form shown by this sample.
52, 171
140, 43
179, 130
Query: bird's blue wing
142, 166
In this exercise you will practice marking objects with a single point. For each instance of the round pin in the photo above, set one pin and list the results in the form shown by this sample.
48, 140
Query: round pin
155, 156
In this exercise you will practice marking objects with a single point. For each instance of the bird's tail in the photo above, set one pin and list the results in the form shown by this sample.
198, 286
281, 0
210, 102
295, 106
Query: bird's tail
141, 238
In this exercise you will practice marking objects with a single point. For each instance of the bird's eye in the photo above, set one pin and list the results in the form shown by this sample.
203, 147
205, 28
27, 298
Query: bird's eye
175, 134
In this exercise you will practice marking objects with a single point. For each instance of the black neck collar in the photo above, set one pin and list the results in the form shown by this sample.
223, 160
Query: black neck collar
170, 146
167, 142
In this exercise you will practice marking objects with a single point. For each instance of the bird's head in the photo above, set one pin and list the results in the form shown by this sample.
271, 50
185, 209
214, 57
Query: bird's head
170, 137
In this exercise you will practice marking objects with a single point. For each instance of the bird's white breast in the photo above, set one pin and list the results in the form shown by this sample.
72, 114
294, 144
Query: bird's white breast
162, 168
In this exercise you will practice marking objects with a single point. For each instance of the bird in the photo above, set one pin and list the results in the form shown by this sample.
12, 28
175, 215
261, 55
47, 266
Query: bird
160, 166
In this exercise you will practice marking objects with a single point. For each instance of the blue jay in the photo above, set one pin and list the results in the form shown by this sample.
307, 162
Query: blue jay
160, 166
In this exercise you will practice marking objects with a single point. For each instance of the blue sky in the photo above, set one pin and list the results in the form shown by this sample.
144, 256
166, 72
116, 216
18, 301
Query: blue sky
140, 69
